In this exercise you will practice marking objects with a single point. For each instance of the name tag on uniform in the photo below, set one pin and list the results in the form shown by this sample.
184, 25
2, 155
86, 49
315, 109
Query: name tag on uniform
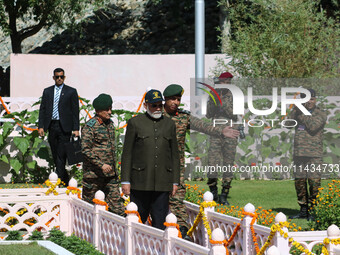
301, 127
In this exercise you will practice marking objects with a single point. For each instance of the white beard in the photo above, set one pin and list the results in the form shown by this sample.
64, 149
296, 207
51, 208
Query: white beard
155, 115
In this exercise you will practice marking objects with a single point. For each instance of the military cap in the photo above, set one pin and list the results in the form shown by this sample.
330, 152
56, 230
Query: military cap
153, 96
312, 93
173, 90
102, 102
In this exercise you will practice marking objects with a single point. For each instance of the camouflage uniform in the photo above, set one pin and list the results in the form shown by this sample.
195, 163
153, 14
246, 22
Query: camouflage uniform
184, 121
98, 149
308, 149
221, 149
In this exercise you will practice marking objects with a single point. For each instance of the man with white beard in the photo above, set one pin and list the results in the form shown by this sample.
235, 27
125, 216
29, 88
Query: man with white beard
150, 161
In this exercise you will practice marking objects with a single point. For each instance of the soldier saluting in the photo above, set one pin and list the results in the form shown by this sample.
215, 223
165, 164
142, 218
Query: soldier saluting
308, 152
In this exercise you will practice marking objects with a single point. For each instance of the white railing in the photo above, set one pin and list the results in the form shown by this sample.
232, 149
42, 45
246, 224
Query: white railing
113, 234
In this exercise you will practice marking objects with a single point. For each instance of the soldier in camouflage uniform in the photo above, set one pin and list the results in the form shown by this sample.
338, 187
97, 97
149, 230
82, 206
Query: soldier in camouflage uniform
184, 121
222, 150
308, 152
98, 138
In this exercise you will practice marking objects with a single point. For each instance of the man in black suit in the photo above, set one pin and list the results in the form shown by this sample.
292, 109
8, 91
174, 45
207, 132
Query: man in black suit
59, 114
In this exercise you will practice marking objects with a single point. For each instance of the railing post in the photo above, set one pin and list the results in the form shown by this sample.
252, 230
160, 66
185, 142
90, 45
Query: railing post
217, 248
73, 184
170, 231
281, 243
207, 197
96, 226
131, 217
53, 178
247, 245
333, 232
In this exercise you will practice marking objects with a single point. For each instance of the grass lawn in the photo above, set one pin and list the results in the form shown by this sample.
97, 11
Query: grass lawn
278, 195
24, 249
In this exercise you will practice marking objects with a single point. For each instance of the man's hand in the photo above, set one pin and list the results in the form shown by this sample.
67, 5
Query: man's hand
126, 189
106, 168
76, 133
41, 132
230, 132
174, 189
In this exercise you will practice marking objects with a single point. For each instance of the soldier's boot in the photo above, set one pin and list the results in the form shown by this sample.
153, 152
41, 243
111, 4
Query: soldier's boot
213, 190
224, 197
184, 230
303, 214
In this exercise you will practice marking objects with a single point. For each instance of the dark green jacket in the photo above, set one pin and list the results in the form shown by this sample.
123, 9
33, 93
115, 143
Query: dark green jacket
150, 159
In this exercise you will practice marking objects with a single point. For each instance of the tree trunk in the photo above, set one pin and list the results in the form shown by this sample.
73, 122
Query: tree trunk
225, 26
16, 43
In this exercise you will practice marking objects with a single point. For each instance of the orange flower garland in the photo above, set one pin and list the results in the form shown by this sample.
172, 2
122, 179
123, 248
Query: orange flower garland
173, 225
135, 212
99, 202
73, 190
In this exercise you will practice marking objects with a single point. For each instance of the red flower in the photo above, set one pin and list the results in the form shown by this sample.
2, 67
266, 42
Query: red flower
119, 163
253, 164
197, 158
278, 163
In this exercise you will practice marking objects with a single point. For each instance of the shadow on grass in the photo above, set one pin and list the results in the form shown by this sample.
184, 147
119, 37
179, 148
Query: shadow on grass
287, 211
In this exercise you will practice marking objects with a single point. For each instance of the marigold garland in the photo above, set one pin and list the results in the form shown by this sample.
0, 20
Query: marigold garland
134, 212
99, 202
201, 216
52, 187
73, 190
173, 225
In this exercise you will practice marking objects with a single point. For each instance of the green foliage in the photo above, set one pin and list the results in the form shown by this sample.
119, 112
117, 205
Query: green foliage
36, 235
42, 14
122, 116
28, 145
72, 243
326, 209
56, 236
13, 235
275, 38
78, 246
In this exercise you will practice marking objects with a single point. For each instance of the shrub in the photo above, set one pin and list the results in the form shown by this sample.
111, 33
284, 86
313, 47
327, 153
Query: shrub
36, 235
326, 209
14, 236
72, 243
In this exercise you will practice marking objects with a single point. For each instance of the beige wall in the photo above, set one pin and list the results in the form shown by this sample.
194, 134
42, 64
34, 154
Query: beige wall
117, 75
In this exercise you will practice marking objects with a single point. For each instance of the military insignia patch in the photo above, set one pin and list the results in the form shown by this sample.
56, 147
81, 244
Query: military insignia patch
156, 95
91, 122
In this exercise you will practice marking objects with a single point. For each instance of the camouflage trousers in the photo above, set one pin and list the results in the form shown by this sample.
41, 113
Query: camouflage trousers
177, 206
304, 177
110, 187
221, 153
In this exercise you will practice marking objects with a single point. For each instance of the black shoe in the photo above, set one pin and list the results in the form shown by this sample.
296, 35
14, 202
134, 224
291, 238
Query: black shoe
223, 199
184, 230
213, 190
303, 214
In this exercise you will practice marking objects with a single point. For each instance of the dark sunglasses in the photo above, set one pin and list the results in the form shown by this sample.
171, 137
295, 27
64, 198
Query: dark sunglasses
59, 76
156, 105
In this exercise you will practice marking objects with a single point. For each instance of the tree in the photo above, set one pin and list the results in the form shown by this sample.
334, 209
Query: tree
21, 19
283, 39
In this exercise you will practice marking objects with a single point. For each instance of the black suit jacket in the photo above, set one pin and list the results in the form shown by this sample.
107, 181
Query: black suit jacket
68, 109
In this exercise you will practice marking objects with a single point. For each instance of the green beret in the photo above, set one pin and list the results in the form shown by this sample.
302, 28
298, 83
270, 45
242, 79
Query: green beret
102, 102
173, 90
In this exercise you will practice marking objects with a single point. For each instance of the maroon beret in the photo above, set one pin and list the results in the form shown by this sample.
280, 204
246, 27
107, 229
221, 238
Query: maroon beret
226, 75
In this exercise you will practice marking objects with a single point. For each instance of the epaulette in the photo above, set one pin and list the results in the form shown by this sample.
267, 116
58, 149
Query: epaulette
91, 122
184, 111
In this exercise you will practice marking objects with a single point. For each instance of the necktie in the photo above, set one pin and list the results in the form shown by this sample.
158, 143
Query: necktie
55, 112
